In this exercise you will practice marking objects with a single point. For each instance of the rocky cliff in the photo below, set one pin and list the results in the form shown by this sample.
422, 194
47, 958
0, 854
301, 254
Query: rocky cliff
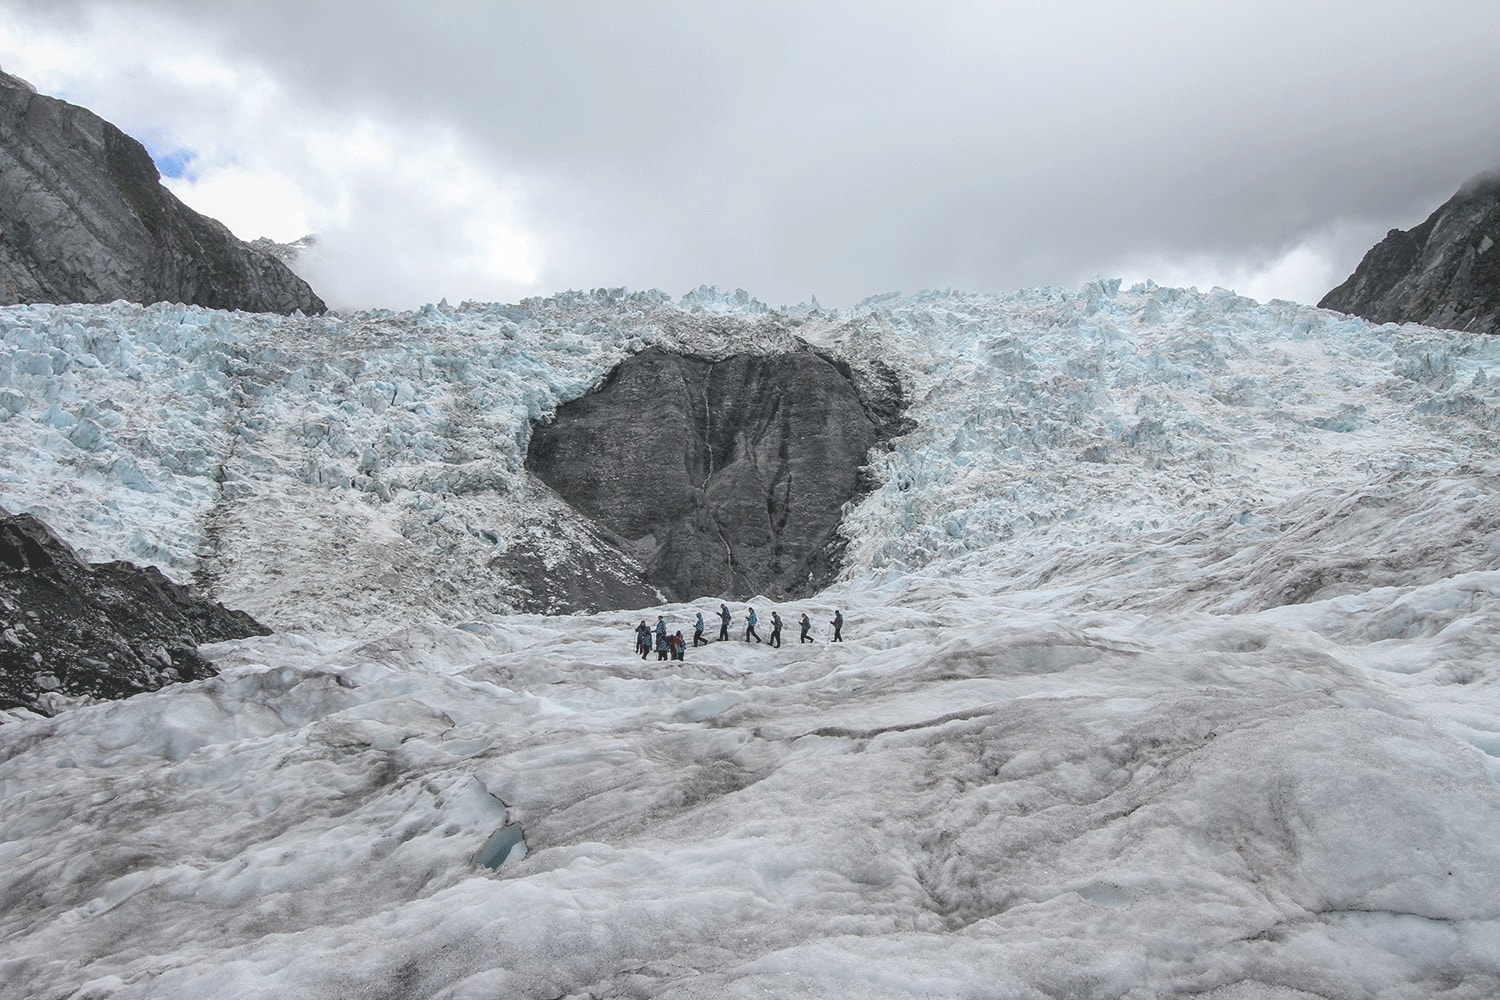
723, 477
109, 630
1443, 273
84, 218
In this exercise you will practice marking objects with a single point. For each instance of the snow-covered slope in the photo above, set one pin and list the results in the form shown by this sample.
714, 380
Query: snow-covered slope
964, 799
1171, 669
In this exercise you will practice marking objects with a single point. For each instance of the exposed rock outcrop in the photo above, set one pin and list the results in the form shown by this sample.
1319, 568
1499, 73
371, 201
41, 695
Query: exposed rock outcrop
287, 253
1443, 273
108, 630
560, 564
722, 477
84, 218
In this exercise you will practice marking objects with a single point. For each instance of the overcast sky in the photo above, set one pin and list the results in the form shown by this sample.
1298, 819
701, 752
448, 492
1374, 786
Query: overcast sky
492, 150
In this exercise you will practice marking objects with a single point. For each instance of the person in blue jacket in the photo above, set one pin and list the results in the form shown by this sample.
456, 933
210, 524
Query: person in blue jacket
698, 639
662, 646
724, 618
750, 621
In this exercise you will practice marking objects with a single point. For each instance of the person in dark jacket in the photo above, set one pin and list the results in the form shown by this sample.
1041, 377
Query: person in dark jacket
643, 639
838, 626
775, 630
724, 617
698, 639
806, 624
679, 646
750, 620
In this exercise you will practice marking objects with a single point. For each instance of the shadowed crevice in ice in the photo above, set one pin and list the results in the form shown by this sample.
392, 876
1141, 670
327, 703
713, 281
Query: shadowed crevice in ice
506, 844
843, 732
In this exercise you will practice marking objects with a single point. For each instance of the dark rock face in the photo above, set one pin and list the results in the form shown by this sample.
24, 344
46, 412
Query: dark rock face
724, 477
1443, 273
561, 566
84, 218
106, 630
287, 253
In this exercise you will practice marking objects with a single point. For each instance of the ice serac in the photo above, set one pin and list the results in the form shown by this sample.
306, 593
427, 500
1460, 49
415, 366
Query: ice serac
1443, 273
84, 218
109, 630
722, 476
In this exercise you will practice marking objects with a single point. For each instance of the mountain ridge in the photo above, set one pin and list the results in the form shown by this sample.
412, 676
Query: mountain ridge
1444, 272
84, 218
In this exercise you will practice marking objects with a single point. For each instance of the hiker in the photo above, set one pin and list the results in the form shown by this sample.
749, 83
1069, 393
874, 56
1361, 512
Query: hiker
724, 617
838, 626
643, 638
679, 646
661, 638
698, 639
750, 621
775, 630
806, 624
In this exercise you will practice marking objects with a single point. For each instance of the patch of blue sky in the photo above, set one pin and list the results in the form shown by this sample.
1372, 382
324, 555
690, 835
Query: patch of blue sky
172, 163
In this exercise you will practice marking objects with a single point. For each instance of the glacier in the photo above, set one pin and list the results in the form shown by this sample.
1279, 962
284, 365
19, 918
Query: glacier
1171, 666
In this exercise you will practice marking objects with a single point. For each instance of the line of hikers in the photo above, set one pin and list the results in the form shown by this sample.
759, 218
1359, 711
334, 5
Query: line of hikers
674, 647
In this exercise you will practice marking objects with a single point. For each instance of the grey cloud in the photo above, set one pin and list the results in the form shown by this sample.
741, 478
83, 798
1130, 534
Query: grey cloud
842, 149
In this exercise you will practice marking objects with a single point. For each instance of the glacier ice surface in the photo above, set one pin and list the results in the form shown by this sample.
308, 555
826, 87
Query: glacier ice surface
1171, 667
